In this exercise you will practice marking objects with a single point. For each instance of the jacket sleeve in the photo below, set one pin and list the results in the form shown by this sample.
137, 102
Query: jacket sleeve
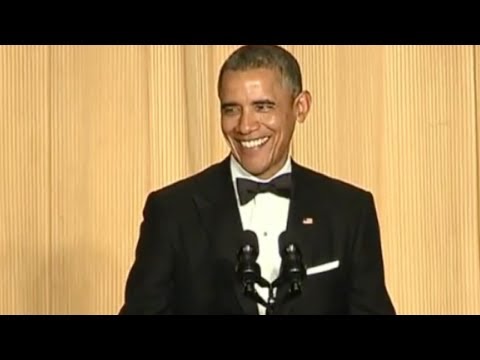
149, 285
368, 292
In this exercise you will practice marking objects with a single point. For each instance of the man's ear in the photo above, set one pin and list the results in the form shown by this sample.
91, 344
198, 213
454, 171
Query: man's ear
302, 105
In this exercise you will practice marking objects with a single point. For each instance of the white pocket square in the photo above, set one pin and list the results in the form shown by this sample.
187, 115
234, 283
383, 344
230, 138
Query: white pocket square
324, 267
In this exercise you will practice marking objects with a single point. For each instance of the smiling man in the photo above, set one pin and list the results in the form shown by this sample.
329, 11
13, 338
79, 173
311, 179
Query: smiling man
258, 233
260, 108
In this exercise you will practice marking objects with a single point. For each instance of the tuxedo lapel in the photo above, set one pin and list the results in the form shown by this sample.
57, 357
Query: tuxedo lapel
307, 224
220, 217
302, 213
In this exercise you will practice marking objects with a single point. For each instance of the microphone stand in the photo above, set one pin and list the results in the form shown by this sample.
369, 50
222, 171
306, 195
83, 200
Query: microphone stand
271, 302
250, 291
292, 276
292, 272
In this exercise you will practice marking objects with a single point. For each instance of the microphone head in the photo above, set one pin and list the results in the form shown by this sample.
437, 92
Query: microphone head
282, 241
287, 246
292, 262
247, 268
249, 245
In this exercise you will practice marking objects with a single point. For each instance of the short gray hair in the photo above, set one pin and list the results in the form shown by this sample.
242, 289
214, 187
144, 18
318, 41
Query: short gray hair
250, 57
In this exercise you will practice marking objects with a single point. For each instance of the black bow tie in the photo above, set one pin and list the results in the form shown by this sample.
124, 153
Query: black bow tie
248, 189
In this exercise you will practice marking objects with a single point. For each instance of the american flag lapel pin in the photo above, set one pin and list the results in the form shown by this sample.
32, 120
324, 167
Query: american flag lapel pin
307, 221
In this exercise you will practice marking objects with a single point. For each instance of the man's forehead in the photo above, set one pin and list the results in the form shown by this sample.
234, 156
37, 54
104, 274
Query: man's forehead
263, 73
255, 80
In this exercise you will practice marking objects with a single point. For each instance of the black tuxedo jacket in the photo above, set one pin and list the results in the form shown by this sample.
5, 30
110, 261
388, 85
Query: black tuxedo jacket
186, 253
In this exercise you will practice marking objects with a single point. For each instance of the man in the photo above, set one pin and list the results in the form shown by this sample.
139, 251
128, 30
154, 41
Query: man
191, 236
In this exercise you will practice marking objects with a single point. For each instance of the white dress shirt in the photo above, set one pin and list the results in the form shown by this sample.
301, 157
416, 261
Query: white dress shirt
266, 215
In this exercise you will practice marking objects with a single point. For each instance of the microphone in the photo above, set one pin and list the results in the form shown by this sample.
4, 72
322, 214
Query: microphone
247, 269
292, 271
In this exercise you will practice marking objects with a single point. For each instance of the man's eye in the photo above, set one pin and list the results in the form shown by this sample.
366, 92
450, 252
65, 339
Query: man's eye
230, 110
264, 107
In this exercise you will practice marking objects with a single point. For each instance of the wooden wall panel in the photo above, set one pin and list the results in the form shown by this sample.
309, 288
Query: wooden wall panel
100, 160
24, 180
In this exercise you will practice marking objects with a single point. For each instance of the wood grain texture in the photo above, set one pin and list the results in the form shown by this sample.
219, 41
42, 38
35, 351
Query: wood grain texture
100, 154
25, 180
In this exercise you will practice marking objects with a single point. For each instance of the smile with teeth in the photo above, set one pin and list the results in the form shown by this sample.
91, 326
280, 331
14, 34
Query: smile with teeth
254, 143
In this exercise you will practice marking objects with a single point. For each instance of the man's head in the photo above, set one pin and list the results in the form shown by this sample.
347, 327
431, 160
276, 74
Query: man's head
262, 99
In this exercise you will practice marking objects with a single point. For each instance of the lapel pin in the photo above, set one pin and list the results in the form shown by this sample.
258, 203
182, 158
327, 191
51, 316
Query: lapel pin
307, 221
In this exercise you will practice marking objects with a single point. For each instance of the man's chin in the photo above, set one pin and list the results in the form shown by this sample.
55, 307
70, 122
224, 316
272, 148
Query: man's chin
255, 166
253, 169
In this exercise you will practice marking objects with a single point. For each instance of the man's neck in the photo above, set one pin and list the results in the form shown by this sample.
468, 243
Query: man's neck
239, 171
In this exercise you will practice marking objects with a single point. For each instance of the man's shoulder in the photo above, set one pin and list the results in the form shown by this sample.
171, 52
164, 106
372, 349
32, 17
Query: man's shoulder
186, 186
332, 187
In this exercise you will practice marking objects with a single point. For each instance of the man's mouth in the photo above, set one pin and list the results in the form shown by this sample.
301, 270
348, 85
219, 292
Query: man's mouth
250, 144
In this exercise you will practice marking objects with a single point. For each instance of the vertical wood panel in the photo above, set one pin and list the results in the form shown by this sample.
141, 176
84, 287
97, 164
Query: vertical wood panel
200, 94
99, 150
168, 137
431, 207
476, 75
24, 180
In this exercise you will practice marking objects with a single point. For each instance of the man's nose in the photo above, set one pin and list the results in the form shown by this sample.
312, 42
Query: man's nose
247, 123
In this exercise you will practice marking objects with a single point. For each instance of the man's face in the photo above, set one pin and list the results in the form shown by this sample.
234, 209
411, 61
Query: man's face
258, 115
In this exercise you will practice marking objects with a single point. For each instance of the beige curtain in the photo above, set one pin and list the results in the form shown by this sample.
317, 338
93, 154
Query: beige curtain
87, 131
